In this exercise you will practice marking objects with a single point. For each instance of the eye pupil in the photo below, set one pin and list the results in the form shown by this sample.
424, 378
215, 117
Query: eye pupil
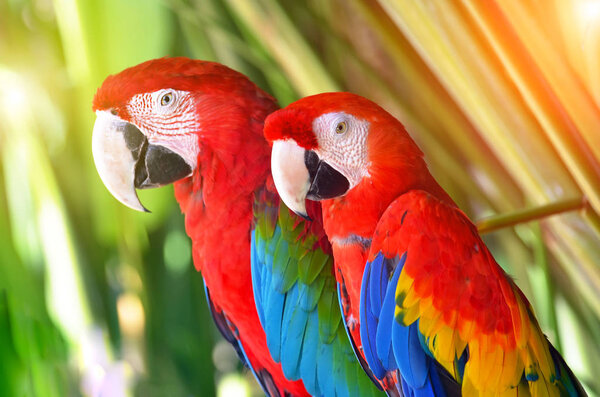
341, 127
166, 99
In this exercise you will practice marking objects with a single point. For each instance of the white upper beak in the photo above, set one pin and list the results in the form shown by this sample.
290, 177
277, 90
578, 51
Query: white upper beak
290, 175
114, 160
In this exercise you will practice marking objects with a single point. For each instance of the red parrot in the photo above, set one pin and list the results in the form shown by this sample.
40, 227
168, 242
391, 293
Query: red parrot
429, 307
199, 125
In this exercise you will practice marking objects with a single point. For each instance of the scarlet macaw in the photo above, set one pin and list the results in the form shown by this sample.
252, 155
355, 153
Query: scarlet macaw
435, 312
199, 125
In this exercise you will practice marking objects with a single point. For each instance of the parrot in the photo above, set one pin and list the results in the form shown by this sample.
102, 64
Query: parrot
428, 307
267, 272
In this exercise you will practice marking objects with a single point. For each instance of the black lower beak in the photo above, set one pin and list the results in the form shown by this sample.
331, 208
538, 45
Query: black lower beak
325, 181
155, 165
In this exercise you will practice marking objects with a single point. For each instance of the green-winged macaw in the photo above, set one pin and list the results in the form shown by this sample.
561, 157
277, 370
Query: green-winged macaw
199, 125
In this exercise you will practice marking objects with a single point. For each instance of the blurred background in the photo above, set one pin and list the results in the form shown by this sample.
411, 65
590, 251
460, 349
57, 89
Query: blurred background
99, 300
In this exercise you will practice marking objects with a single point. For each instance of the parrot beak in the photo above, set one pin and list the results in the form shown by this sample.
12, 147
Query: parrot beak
300, 174
126, 161
290, 175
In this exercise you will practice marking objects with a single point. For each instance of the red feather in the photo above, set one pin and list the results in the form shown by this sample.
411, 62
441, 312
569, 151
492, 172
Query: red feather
449, 279
233, 166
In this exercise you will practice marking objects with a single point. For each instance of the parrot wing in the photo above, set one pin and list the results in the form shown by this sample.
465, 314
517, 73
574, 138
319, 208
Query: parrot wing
296, 296
435, 303
231, 335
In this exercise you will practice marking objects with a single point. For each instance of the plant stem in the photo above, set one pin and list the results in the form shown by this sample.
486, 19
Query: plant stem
496, 222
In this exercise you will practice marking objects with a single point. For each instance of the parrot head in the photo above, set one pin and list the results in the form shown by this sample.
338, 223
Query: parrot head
340, 144
153, 120
329, 145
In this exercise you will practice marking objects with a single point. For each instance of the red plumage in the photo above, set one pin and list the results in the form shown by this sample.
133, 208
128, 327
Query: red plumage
233, 168
341, 217
448, 280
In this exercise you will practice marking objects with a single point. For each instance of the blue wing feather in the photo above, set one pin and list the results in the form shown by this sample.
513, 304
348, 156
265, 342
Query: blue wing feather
363, 363
412, 360
295, 319
308, 369
368, 323
258, 277
383, 339
295, 293
377, 285
388, 345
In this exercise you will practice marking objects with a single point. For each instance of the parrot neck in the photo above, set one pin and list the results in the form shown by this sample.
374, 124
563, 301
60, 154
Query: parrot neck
217, 200
233, 163
356, 214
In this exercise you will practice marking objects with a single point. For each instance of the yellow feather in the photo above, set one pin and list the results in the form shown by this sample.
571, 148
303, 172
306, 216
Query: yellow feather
425, 324
473, 366
407, 315
459, 344
512, 370
542, 388
411, 298
496, 361
427, 309
485, 345
540, 349
435, 328
468, 390
523, 390
489, 359
429, 316
404, 284
509, 392
444, 344
466, 329
529, 366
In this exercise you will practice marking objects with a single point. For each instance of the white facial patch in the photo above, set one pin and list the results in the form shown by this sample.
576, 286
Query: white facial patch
167, 118
345, 151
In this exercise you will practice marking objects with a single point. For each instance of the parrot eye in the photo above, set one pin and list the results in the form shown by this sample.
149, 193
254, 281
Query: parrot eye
341, 127
166, 99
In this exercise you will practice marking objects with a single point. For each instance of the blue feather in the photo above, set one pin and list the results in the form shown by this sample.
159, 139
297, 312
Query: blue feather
384, 332
364, 365
435, 387
325, 371
274, 304
257, 278
309, 363
310, 294
339, 370
368, 323
406, 390
294, 291
377, 284
293, 335
412, 360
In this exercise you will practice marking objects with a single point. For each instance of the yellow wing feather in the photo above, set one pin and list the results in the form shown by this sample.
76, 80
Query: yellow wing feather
496, 361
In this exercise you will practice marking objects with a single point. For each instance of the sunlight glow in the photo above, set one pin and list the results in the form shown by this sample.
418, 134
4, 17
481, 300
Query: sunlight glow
131, 315
588, 11
64, 289
13, 94
233, 385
